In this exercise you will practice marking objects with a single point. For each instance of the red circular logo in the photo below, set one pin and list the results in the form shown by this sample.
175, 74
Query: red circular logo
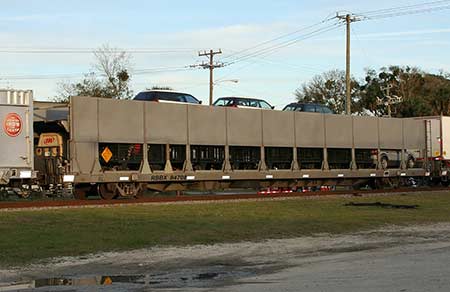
12, 125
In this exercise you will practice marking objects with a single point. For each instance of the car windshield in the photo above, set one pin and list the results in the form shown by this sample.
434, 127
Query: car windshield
290, 108
221, 102
309, 108
326, 110
265, 105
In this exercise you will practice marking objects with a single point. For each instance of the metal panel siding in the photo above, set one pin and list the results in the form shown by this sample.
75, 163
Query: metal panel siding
121, 121
84, 119
83, 156
244, 127
278, 128
309, 130
338, 131
414, 132
207, 125
15, 151
446, 137
391, 135
365, 131
165, 123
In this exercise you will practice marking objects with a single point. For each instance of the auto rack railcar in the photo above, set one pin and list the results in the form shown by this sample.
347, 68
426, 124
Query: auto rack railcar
180, 146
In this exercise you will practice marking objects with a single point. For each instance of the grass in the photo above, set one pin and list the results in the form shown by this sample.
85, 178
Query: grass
28, 236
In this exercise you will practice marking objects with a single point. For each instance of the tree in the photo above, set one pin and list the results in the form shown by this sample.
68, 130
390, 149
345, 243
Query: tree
437, 92
328, 88
109, 77
422, 93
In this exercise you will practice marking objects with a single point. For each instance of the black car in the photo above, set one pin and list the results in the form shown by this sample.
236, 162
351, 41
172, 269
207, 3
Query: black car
166, 95
308, 107
242, 102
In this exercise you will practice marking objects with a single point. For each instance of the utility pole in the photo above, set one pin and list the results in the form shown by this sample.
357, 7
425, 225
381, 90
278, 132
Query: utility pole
348, 18
211, 66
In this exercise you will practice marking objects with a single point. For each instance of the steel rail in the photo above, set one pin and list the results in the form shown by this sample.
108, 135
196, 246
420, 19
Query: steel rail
45, 204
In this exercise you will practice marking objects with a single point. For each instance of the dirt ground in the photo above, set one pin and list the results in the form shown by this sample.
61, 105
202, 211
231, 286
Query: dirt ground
269, 265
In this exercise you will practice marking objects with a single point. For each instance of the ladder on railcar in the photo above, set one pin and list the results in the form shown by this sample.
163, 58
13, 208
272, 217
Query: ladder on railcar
428, 146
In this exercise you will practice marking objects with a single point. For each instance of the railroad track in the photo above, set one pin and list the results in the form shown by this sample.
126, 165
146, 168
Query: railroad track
55, 203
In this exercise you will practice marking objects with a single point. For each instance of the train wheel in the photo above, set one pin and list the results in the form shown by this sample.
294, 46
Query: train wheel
80, 192
108, 191
140, 190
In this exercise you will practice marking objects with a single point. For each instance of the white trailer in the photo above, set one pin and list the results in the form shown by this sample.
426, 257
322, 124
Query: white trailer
16, 135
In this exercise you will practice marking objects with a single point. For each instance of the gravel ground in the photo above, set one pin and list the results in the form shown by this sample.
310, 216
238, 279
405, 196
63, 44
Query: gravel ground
390, 259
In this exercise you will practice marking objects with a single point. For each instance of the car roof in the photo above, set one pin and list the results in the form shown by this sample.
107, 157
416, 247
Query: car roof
165, 90
302, 103
241, 97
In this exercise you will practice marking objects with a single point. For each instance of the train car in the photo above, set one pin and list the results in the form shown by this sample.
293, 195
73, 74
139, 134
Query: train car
16, 139
124, 147
119, 148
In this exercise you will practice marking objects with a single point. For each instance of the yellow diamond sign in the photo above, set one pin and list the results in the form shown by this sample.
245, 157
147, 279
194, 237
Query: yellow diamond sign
106, 154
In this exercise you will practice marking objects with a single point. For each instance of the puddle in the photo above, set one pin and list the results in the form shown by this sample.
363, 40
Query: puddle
196, 277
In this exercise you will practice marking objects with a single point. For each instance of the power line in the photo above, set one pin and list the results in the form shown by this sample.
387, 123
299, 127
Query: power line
405, 10
277, 46
273, 48
80, 75
398, 8
263, 53
10, 50
278, 38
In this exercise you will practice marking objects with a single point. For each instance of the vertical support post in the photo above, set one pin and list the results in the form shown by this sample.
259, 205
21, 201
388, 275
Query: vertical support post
262, 162
378, 166
187, 163
294, 165
325, 165
226, 163
96, 168
354, 166
145, 167
403, 152
168, 167
426, 164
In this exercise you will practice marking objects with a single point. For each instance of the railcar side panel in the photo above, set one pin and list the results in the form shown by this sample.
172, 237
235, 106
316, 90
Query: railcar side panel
207, 125
445, 138
244, 127
15, 137
84, 157
309, 130
120, 121
165, 123
278, 128
84, 117
391, 133
338, 131
365, 132
414, 134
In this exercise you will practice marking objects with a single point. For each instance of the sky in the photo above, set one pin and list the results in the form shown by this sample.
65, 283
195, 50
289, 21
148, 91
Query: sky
173, 32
